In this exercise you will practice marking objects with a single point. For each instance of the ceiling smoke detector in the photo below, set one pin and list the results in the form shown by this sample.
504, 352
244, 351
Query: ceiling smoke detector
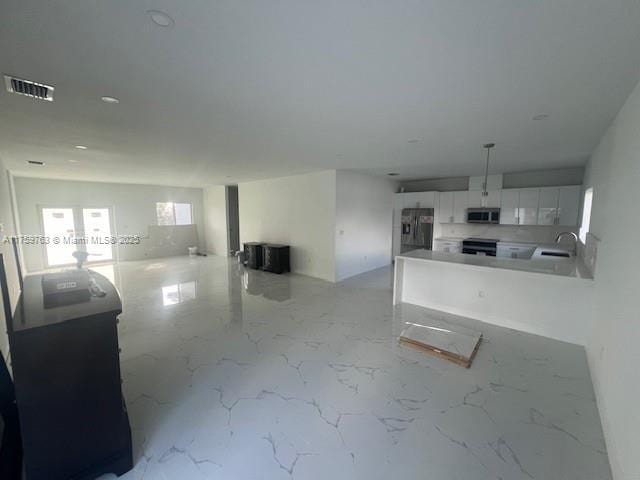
160, 18
542, 116
28, 88
109, 99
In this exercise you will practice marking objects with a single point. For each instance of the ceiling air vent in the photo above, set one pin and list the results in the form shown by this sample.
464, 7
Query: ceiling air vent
28, 88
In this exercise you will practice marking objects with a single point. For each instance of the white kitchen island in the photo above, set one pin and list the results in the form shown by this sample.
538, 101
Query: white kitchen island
552, 298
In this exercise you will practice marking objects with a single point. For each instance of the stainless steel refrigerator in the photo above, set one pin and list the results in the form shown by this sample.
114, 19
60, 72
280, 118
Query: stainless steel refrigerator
417, 229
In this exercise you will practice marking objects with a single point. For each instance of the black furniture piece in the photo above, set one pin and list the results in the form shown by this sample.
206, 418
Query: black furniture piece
276, 258
66, 372
10, 442
253, 254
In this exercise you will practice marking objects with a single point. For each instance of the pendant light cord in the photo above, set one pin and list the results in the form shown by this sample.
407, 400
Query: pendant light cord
485, 192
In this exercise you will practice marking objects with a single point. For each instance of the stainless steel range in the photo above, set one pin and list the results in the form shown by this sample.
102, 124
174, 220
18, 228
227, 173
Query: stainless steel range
480, 246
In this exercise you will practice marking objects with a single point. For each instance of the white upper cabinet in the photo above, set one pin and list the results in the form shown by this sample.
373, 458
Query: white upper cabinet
445, 212
509, 204
528, 206
411, 200
418, 199
427, 199
548, 206
518, 206
460, 205
569, 205
453, 207
475, 198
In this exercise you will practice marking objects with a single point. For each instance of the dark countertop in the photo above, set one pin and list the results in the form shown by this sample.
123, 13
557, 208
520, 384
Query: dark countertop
30, 312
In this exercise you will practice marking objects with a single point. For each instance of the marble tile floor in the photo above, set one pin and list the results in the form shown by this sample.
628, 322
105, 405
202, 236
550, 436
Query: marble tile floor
234, 374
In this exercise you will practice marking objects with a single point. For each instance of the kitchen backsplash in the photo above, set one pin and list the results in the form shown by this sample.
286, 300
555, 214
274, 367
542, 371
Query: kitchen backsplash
514, 233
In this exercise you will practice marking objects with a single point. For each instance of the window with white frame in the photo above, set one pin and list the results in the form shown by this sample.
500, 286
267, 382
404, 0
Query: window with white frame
586, 214
171, 213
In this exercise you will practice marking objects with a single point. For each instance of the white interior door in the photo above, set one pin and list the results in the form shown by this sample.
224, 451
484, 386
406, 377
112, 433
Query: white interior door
60, 230
97, 228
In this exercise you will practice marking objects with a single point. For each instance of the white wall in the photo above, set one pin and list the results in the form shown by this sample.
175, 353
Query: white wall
298, 211
6, 219
614, 346
215, 220
134, 211
364, 219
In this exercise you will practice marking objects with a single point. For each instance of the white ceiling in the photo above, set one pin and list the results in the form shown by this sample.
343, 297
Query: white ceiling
239, 90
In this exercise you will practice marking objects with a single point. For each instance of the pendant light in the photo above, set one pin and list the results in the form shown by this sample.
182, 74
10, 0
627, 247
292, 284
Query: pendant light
485, 193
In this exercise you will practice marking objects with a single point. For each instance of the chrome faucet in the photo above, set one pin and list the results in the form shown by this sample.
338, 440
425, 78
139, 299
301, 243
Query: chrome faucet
572, 234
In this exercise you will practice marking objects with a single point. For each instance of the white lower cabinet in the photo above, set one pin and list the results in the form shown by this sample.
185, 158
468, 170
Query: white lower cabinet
447, 246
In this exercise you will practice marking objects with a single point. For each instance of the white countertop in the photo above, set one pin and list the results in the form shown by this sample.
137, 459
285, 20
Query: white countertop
565, 267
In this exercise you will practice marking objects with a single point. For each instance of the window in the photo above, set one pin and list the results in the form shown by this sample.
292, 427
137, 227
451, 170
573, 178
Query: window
586, 214
169, 213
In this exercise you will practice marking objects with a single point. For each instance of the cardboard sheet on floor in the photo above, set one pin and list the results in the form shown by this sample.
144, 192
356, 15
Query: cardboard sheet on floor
442, 339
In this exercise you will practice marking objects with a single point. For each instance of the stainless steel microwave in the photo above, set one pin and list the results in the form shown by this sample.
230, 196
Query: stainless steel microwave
483, 215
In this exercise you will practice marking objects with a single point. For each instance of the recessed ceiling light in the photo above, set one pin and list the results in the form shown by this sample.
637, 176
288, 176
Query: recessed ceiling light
413, 140
160, 18
542, 116
36, 163
71, 160
81, 147
110, 100
393, 174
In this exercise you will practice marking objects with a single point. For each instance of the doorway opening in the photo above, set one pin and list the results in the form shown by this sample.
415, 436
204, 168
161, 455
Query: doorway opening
233, 219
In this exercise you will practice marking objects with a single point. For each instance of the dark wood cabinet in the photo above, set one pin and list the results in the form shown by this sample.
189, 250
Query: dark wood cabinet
253, 254
276, 258
66, 372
